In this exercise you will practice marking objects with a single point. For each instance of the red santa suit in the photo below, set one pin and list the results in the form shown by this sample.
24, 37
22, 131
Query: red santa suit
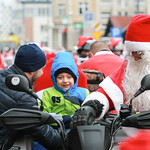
111, 89
110, 92
1, 64
103, 61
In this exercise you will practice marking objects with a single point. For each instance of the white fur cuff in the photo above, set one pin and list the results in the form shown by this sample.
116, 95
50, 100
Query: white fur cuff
102, 99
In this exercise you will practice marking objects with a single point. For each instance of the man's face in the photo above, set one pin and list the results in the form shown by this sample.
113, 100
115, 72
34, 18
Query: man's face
36, 75
85, 52
137, 67
117, 52
65, 80
137, 55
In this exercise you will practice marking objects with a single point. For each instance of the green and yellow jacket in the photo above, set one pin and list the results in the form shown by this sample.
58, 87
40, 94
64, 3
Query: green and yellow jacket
60, 101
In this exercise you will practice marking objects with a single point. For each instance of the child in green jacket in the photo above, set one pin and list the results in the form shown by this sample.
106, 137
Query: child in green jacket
64, 97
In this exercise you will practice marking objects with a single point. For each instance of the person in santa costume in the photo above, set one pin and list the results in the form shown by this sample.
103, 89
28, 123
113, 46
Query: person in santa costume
102, 59
1, 63
83, 48
119, 87
117, 47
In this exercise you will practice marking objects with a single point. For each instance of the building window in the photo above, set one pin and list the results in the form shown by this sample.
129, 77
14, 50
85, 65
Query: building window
19, 29
126, 13
61, 10
42, 12
37, 1
138, 12
44, 28
122, 13
122, 3
106, 3
139, 4
17, 13
105, 15
119, 13
83, 7
28, 12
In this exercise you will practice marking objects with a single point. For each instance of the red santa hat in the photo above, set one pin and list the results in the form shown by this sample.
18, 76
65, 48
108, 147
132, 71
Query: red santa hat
114, 42
82, 40
138, 34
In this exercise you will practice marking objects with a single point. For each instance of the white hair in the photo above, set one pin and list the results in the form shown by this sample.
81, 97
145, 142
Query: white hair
133, 75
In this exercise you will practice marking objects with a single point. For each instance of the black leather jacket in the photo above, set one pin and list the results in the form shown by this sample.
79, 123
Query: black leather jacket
45, 135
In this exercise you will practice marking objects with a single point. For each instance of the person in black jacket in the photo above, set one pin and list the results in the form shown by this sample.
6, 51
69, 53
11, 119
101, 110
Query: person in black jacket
29, 62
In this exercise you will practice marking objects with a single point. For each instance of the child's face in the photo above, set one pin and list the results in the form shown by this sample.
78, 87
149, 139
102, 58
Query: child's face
65, 81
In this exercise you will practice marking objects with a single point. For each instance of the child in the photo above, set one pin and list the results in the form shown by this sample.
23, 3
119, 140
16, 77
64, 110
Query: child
64, 97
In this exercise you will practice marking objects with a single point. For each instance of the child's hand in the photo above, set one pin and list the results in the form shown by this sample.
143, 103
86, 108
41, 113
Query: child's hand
56, 116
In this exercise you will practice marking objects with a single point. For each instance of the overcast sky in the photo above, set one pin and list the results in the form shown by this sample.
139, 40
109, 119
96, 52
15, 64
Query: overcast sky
7, 2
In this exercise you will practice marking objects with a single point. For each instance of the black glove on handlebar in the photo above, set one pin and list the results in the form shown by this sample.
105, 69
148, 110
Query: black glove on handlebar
86, 114
96, 105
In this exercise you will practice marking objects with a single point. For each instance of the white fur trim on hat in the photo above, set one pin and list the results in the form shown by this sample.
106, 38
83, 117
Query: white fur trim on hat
113, 92
138, 32
137, 46
101, 98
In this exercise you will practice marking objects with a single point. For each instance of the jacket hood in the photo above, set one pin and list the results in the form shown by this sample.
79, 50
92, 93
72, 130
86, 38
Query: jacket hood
64, 60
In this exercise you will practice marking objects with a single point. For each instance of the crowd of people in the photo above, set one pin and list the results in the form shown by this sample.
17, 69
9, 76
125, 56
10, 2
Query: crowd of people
64, 97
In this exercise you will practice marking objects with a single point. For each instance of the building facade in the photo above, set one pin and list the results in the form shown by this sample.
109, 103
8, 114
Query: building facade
81, 17
6, 26
58, 23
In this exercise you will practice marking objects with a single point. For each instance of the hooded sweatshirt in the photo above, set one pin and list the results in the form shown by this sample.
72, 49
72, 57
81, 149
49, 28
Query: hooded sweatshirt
60, 101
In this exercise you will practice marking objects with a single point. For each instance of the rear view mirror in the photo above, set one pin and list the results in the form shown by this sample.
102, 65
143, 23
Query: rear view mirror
20, 83
17, 82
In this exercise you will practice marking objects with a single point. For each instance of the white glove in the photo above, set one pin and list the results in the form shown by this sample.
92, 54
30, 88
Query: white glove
56, 116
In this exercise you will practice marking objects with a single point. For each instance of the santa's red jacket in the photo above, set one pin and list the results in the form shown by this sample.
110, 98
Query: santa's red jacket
103, 61
110, 92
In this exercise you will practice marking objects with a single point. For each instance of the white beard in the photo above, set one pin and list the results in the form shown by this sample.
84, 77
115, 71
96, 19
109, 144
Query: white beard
134, 73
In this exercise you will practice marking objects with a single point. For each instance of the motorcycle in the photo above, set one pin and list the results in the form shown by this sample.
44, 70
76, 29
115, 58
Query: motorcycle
101, 135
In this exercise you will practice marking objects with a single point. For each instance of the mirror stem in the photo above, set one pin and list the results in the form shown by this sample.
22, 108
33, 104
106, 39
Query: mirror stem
41, 106
130, 105
31, 92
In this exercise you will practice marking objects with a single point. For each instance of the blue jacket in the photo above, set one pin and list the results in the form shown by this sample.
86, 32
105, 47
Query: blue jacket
66, 60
